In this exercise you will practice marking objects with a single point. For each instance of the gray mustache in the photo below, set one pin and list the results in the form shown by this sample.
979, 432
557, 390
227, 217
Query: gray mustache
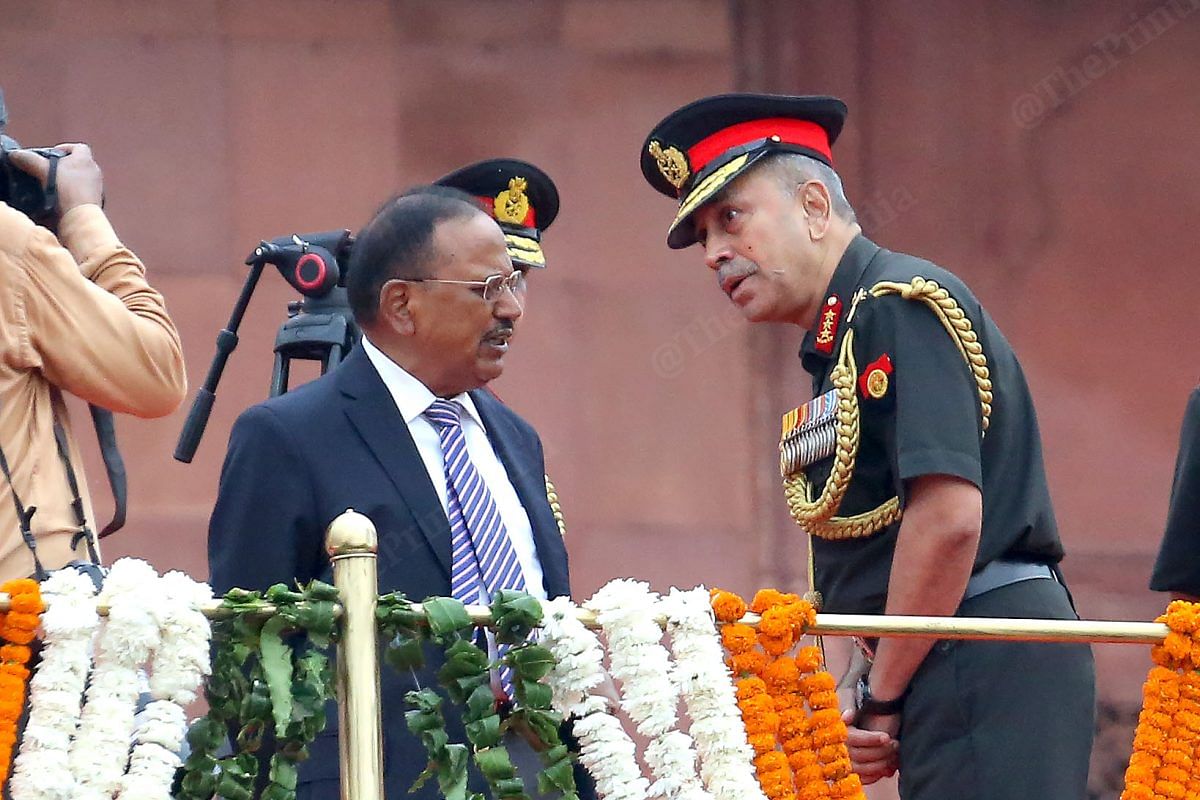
500, 331
735, 269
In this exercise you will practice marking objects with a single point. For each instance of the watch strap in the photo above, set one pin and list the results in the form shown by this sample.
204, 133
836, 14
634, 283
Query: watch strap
871, 707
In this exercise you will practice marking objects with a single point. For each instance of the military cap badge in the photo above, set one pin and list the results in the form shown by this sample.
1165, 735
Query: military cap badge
512, 204
672, 164
520, 196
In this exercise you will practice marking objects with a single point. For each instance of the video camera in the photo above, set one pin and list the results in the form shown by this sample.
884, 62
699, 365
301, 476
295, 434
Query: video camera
18, 188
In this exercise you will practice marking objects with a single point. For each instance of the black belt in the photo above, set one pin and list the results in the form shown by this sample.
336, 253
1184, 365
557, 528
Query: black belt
994, 575
1003, 572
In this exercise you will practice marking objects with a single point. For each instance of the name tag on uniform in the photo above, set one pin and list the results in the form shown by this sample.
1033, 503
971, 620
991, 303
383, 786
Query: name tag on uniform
809, 433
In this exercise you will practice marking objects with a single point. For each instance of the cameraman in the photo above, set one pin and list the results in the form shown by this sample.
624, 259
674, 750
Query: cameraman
77, 316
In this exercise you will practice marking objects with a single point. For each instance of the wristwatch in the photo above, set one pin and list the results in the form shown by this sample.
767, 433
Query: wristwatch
867, 706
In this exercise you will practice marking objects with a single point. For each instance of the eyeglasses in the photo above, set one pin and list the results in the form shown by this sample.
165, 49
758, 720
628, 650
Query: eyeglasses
492, 286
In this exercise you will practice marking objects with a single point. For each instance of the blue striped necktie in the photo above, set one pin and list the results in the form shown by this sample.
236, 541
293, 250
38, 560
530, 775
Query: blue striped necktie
482, 559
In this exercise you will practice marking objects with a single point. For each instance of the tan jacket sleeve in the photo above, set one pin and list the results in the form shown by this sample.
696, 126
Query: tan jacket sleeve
86, 317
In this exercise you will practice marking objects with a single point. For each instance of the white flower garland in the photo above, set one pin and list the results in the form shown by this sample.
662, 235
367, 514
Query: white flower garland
626, 611
726, 758
100, 752
74, 752
160, 730
42, 768
606, 750
181, 660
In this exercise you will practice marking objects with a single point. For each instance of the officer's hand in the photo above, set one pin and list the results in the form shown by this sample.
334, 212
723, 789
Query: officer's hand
874, 750
78, 178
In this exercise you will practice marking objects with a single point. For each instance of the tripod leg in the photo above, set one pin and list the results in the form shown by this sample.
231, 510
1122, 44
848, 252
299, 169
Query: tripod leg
333, 357
279, 375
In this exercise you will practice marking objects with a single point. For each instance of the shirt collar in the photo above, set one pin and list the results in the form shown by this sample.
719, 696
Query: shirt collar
411, 396
847, 277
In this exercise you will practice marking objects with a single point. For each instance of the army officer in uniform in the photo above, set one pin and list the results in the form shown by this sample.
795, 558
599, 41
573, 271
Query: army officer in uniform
917, 467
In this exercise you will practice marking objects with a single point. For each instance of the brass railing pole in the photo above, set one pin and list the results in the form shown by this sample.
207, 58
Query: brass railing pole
980, 628
1029, 630
352, 543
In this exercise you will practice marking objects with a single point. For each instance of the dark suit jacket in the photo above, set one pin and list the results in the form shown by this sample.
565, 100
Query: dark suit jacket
298, 460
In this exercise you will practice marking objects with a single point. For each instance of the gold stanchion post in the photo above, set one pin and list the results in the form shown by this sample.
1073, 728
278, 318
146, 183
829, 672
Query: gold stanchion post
352, 543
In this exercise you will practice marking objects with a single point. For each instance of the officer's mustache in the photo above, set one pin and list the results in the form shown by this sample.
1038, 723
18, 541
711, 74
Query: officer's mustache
501, 332
733, 270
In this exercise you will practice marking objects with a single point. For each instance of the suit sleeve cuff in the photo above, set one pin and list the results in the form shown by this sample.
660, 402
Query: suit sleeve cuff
84, 230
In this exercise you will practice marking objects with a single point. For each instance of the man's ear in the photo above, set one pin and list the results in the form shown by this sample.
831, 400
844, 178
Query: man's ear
814, 200
395, 310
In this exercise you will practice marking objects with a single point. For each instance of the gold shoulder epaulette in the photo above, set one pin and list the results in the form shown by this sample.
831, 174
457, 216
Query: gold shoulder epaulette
818, 516
555, 508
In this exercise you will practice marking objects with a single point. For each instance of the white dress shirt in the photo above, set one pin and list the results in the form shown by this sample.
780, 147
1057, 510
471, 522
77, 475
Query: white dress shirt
412, 398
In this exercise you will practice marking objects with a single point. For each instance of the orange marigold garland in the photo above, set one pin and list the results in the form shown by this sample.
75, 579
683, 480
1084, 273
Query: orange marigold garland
827, 731
754, 701
17, 628
1188, 718
1165, 764
789, 705
783, 619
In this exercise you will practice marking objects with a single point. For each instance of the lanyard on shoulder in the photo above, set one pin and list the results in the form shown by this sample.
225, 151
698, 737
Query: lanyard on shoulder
84, 532
24, 518
25, 513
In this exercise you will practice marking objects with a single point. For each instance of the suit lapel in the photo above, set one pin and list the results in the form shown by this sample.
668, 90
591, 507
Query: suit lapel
374, 415
529, 481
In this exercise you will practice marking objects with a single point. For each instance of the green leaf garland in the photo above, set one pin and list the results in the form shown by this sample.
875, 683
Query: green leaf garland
446, 617
404, 630
517, 614
465, 678
262, 684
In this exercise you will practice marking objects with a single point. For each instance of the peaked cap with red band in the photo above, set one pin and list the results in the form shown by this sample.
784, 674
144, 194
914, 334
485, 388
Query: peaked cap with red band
519, 196
696, 151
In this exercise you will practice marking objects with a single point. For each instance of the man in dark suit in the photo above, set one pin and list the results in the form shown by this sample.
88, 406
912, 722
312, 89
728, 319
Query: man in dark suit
402, 432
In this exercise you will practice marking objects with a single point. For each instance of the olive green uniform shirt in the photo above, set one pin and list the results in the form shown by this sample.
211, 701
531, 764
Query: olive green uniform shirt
929, 421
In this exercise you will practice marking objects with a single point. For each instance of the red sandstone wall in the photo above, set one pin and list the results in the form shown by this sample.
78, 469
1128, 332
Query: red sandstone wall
1044, 150
218, 123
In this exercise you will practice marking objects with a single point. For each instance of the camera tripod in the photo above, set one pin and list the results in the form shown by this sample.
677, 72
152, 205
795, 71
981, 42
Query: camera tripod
320, 327
317, 329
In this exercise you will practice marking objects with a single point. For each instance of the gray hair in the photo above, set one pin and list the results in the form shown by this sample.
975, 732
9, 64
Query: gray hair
793, 169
